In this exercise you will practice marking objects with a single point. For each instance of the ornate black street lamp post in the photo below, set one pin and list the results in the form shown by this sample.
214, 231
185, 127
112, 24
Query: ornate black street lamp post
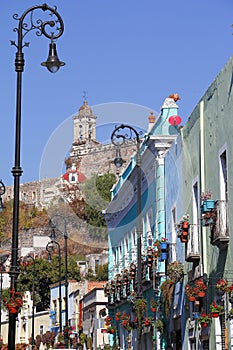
51, 247
53, 64
120, 135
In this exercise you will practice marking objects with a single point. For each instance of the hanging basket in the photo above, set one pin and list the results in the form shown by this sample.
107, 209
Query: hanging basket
185, 225
192, 298
163, 245
12, 309
204, 324
208, 205
215, 314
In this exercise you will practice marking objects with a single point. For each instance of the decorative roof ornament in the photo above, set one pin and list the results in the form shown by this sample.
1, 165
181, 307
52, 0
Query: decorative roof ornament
170, 101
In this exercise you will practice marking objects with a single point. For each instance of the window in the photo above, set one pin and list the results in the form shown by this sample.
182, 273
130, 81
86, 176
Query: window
174, 234
223, 175
41, 329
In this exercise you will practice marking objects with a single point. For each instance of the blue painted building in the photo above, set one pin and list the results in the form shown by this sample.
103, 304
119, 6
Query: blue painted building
122, 220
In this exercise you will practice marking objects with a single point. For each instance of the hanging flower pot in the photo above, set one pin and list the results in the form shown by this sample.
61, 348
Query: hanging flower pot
184, 239
153, 309
163, 256
184, 233
192, 298
201, 294
215, 309
163, 245
204, 324
208, 205
204, 319
185, 225
12, 309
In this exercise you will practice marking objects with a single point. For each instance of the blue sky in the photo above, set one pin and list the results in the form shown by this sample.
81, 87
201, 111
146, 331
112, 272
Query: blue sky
131, 52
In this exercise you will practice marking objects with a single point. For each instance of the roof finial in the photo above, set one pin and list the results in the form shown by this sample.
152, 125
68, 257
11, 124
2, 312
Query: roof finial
85, 95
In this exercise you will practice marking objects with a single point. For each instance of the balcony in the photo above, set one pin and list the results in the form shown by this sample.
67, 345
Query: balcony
220, 230
192, 251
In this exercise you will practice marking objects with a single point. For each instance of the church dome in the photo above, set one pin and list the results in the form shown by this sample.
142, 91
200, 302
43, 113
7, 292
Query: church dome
85, 110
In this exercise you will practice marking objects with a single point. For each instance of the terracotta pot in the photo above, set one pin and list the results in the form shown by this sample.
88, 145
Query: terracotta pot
117, 318
204, 324
185, 224
183, 239
201, 294
192, 298
215, 314
184, 233
12, 309
153, 309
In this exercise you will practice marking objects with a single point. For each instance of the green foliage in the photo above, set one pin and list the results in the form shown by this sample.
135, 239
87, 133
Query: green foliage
101, 273
96, 191
46, 273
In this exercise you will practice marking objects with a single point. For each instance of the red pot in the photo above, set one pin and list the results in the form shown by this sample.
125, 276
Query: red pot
185, 224
204, 324
153, 309
201, 294
215, 314
12, 310
183, 239
192, 298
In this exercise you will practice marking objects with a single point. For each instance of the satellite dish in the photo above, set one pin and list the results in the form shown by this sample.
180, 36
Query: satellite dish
174, 120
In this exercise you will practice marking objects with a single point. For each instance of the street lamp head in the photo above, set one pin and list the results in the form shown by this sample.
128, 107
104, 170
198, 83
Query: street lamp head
53, 63
118, 161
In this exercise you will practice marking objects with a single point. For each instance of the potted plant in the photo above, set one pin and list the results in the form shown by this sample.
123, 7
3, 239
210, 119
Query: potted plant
163, 243
108, 320
111, 330
118, 316
206, 195
153, 305
125, 316
222, 286
175, 271
201, 287
159, 325
204, 319
209, 218
14, 302
147, 321
190, 292
207, 203
215, 309
127, 325
140, 305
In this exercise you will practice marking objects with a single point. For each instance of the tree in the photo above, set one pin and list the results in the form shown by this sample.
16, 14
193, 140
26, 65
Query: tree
46, 273
97, 195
